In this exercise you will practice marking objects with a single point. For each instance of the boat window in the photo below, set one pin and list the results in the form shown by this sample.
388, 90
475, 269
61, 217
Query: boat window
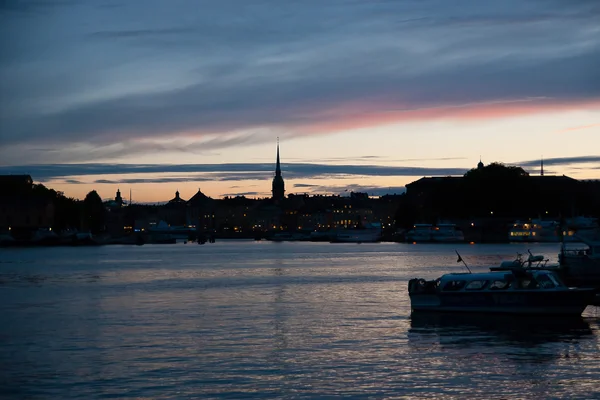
454, 285
499, 285
545, 282
527, 283
556, 281
476, 285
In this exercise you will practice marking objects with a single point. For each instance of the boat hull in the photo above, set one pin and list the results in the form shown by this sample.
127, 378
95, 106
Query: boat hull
568, 302
584, 270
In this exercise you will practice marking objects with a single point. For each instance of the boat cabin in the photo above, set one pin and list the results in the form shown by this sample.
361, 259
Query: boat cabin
492, 281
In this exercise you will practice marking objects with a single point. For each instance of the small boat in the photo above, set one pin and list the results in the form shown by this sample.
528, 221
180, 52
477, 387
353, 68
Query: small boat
289, 237
512, 291
367, 234
440, 233
578, 267
419, 233
535, 230
447, 233
582, 265
576, 227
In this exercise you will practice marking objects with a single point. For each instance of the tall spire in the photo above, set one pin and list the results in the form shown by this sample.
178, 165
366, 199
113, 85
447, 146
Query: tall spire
278, 184
542, 167
278, 167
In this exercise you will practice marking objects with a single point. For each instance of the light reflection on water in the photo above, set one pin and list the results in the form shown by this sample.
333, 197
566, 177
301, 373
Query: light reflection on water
271, 320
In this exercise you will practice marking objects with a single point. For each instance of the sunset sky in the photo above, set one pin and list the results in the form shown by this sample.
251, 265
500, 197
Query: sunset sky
155, 96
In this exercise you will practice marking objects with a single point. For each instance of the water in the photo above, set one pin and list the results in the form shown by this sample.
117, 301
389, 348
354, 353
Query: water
245, 319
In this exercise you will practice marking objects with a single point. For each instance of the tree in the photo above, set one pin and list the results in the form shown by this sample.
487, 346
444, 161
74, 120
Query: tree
94, 213
496, 190
496, 171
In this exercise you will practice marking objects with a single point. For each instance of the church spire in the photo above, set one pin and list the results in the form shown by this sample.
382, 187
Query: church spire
278, 166
278, 184
542, 167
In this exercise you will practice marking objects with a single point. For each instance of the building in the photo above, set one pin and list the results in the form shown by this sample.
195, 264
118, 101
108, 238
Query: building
174, 212
201, 212
278, 189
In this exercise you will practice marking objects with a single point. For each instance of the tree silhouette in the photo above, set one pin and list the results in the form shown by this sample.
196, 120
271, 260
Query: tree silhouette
496, 171
94, 213
496, 190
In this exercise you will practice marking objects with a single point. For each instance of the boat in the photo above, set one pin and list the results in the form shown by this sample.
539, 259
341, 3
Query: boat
6, 239
581, 265
321, 236
440, 233
512, 291
289, 237
576, 267
419, 233
369, 234
447, 233
577, 226
534, 230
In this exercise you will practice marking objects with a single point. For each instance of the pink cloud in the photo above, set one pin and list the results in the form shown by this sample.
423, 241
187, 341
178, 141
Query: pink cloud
353, 115
577, 128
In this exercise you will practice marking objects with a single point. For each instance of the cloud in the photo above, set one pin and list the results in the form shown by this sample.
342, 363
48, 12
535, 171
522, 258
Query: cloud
245, 194
216, 172
138, 33
125, 77
33, 6
347, 189
561, 161
304, 185
155, 173
578, 128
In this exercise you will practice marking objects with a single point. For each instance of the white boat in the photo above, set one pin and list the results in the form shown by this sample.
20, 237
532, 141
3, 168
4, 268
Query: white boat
447, 233
582, 264
512, 291
368, 234
289, 237
576, 226
44, 234
419, 233
535, 231
177, 232
440, 233
6, 238
321, 236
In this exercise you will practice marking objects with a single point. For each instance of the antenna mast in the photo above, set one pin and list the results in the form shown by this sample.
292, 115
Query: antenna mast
463, 261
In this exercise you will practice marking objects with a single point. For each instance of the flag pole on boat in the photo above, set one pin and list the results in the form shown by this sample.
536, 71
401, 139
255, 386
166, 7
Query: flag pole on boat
463, 261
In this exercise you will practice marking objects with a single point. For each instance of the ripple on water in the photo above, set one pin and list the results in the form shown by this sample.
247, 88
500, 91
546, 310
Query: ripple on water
264, 320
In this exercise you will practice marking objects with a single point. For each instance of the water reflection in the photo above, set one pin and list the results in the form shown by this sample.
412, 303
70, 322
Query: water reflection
498, 330
251, 320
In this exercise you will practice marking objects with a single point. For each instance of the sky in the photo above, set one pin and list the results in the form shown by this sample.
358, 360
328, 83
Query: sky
154, 96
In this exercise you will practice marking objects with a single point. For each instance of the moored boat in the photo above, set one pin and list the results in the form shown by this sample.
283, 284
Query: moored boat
582, 265
447, 233
513, 291
369, 234
440, 233
419, 233
535, 230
